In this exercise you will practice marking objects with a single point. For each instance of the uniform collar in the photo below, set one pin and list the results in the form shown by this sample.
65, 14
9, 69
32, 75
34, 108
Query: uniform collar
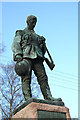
29, 30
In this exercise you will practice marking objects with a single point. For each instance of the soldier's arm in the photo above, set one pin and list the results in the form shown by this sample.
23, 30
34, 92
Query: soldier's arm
16, 46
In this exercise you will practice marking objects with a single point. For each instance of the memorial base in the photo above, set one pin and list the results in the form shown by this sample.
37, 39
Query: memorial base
45, 109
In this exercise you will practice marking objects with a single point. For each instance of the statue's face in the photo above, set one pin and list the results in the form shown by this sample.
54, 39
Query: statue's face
32, 23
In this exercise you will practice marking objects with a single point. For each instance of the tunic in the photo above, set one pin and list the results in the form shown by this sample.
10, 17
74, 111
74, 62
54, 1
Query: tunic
28, 44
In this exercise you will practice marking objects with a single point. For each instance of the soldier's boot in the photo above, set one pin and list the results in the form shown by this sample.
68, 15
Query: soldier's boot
47, 93
26, 89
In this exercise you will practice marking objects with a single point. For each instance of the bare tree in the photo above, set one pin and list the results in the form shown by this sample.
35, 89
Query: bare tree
12, 96
1, 51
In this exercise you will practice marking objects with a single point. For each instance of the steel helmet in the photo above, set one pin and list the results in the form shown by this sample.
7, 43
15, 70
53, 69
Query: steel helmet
22, 68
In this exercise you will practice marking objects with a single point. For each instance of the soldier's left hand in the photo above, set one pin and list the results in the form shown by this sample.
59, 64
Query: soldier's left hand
19, 58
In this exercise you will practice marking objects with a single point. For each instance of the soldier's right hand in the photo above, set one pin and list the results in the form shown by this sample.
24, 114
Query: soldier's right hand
18, 58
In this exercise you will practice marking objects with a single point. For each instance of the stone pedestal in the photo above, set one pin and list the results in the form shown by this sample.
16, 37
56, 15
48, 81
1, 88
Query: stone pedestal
48, 110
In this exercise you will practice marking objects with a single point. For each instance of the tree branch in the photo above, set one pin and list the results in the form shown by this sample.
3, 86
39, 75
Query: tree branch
11, 101
15, 77
5, 97
4, 112
17, 85
16, 90
17, 105
8, 79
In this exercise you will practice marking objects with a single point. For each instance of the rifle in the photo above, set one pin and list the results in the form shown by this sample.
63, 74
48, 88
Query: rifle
51, 64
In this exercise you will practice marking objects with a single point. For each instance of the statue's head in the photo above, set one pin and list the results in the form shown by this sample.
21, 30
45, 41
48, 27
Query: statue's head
31, 21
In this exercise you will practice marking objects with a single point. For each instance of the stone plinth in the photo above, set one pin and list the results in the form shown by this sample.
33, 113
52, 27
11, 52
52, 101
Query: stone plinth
42, 109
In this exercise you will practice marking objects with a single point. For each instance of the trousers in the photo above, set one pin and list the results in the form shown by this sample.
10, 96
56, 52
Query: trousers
37, 66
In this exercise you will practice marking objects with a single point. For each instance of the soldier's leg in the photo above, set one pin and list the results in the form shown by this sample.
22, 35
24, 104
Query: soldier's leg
40, 72
26, 81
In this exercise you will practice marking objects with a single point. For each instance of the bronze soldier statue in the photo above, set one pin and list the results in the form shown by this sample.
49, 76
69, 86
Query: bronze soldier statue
28, 50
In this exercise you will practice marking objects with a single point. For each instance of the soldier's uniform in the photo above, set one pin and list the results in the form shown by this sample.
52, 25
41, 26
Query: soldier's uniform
32, 48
